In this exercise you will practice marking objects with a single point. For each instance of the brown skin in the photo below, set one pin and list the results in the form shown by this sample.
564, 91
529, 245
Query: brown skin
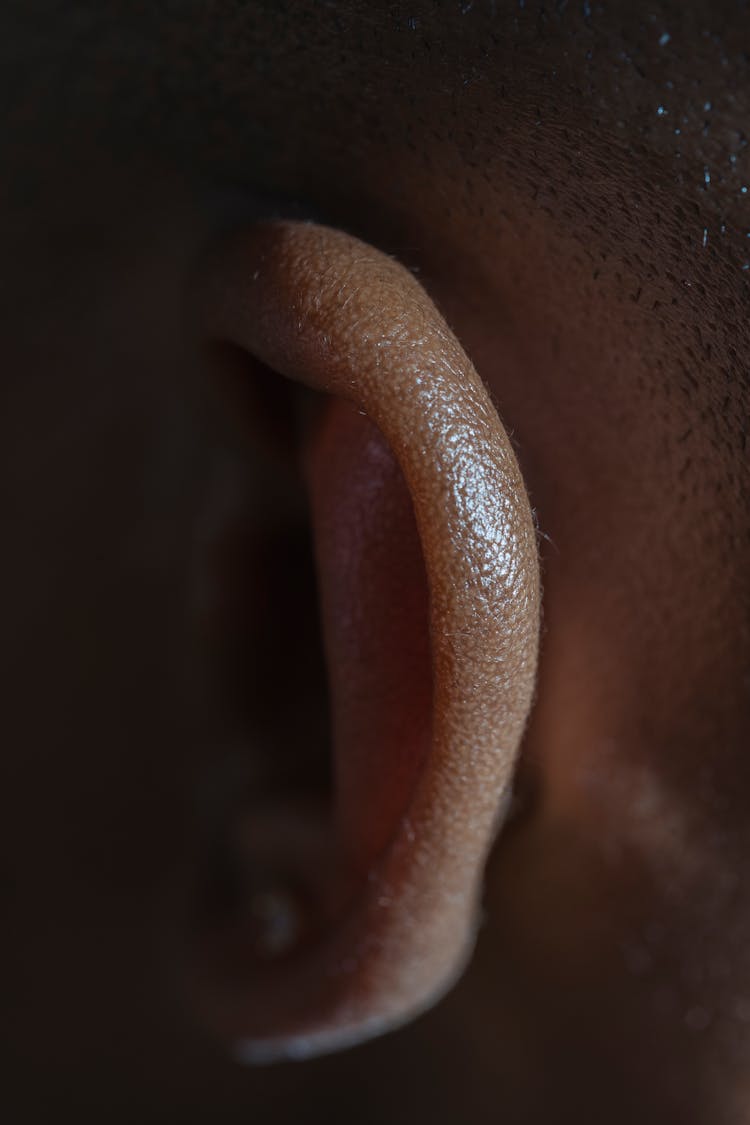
322, 308
519, 161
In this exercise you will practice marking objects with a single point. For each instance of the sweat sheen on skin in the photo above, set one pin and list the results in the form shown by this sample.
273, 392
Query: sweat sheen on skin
329, 311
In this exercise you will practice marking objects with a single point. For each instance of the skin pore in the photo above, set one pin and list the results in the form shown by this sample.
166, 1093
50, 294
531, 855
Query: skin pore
567, 183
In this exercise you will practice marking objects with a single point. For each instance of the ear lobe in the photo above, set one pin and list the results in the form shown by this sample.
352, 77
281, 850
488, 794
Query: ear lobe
432, 655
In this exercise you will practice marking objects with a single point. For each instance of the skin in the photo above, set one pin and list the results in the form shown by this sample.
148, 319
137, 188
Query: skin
590, 259
318, 306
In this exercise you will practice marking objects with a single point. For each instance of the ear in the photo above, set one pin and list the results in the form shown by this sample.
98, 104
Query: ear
429, 587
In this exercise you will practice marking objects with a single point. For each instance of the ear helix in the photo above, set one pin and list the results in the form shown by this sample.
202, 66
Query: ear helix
324, 309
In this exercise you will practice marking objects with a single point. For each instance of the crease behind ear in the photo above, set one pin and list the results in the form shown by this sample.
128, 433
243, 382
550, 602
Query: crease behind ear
408, 844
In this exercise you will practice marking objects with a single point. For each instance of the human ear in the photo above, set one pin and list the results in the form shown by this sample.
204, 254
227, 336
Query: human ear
407, 436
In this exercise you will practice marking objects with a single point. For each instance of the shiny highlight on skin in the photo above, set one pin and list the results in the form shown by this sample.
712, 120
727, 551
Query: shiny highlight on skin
329, 311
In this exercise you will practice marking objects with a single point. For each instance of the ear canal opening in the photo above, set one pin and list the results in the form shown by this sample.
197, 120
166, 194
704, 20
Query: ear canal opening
410, 473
